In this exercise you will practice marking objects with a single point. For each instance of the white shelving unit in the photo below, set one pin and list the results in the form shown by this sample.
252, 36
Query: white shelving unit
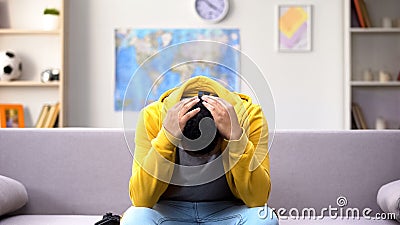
39, 50
377, 49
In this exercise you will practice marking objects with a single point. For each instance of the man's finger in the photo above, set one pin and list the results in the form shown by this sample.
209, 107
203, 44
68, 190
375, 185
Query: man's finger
210, 108
189, 115
188, 105
211, 99
186, 100
180, 103
214, 101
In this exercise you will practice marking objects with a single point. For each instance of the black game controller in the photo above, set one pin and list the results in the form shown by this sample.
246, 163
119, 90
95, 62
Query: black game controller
109, 219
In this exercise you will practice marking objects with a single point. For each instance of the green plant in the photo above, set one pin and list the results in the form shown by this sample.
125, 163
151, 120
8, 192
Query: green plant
51, 11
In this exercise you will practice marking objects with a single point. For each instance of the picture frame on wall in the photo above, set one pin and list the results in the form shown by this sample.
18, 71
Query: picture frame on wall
11, 116
294, 28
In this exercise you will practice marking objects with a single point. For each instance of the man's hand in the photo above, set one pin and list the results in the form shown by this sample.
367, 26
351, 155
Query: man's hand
178, 115
224, 116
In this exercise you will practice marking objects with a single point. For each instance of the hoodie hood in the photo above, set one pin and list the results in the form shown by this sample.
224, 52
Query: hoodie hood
191, 87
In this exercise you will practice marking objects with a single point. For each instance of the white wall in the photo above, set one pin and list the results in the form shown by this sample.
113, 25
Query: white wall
308, 87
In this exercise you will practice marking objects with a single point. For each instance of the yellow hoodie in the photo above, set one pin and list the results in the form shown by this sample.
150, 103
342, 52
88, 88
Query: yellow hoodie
246, 163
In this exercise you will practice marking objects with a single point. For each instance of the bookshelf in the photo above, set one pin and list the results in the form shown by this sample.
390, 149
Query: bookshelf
374, 48
21, 31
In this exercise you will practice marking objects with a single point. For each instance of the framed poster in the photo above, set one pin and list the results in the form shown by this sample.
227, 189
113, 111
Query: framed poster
294, 26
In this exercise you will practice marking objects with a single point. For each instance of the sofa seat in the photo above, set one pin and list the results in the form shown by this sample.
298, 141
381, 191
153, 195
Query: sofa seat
50, 219
339, 221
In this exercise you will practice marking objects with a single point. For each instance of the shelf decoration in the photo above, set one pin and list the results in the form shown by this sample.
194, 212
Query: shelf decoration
380, 123
11, 66
11, 116
51, 19
294, 28
384, 76
50, 75
368, 75
386, 22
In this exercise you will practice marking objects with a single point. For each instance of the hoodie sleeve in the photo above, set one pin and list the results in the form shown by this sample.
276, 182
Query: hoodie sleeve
250, 178
152, 167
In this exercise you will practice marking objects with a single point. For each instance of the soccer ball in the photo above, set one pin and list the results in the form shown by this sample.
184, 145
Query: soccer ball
10, 65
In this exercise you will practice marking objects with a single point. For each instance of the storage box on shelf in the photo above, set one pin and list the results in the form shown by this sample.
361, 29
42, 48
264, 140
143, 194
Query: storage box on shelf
39, 49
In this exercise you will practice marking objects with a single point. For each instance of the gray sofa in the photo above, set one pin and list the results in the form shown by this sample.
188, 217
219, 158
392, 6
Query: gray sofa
73, 176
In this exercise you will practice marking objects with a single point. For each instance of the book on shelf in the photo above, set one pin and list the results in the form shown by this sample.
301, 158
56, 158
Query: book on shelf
53, 113
358, 117
361, 13
353, 18
357, 6
365, 14
42, 116
48, 116
353, 121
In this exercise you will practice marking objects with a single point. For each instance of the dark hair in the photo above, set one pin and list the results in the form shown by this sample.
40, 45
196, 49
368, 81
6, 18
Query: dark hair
192, 130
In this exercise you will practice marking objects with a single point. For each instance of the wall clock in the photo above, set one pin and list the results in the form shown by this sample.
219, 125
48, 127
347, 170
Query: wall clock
212, 10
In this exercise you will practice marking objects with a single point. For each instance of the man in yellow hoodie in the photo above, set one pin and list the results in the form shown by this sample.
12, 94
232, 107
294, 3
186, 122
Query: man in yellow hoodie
201, 157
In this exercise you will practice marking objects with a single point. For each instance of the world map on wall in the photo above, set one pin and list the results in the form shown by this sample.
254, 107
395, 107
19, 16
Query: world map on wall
135, 46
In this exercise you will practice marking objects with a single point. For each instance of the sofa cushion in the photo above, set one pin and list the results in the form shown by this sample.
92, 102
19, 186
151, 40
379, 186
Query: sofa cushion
389, 198
50, 220
13, 195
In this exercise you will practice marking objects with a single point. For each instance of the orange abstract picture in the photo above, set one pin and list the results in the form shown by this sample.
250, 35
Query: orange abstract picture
294, 28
